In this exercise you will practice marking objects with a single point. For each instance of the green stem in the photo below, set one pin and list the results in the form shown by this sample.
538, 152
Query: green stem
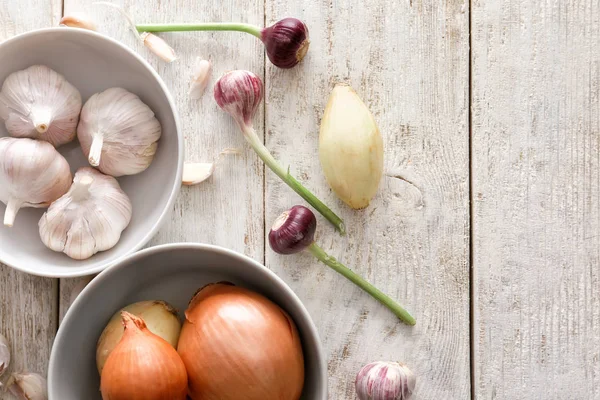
306, 194
205, 26
363, 284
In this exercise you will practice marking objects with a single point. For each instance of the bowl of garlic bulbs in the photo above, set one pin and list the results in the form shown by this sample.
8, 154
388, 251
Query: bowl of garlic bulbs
91, 154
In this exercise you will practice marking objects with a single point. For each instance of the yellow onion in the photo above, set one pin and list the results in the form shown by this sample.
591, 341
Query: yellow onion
143, 366
350, 148
237, 344
159, 316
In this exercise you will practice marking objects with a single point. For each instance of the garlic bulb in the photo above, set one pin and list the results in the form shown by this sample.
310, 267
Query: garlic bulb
350, 148
4, 354
28, 386
89, 218
385, 381
39, 103
32, 174
118, 132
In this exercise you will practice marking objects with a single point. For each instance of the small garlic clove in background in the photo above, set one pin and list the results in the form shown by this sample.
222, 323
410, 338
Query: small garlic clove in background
78, 20
200, 77
32, 174
118, 132
195, 173
39, 103
4, 355
350, 148
28, 386
158, 46
384, 380
89, 218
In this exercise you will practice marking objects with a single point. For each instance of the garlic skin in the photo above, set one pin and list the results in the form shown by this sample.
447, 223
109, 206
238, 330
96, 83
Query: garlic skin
200, 77
78, 20
384, 380
28, 386
4, 355
32, 174
350, 148
89, 218
118, 132
39, 103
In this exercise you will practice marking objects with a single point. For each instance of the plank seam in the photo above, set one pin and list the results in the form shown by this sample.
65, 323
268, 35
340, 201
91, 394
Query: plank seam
471, 210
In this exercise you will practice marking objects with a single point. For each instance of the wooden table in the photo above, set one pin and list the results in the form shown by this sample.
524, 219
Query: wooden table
486, 226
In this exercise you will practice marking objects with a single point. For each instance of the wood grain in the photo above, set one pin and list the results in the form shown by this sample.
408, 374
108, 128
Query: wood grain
536, 194
408, 60
226, 210
28, 304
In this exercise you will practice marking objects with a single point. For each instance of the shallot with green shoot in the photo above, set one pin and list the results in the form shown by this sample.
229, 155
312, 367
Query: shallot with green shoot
286, 41
294, 231
239, 93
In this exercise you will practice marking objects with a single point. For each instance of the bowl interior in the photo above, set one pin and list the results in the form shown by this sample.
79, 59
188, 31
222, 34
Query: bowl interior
172, 273
93, 63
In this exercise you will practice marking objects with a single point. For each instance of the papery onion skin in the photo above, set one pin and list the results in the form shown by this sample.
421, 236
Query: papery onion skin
236, 344
143, 366
160, 318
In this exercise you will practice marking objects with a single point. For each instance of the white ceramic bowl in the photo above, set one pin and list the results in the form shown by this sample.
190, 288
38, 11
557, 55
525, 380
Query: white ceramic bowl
172, 273
92, 63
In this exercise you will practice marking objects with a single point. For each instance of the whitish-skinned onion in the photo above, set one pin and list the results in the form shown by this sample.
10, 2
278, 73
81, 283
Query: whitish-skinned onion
236, 344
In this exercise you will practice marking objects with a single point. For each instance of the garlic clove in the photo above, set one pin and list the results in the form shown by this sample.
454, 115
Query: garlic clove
118, 132
32, 174
39, 103
158, 46
200, 77
195, 173
350, 148
28, 386
89, 218
384, 380
4, 355
78, 20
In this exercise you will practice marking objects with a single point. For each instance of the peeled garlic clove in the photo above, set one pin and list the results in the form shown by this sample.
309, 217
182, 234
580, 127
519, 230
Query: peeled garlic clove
383, 380
4, 354
118, 132
78, 20
158, 46
350, 148
200, 77
195, 173
89, 218
28, 386
32, 174
39, 103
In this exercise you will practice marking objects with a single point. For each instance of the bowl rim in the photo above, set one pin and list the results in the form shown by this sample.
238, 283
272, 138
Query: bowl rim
180, 157
140, 255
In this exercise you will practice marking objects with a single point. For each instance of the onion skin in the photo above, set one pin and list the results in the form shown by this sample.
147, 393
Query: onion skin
143, 366
236, 344
286, 42
160, 318
293, 231
350, 148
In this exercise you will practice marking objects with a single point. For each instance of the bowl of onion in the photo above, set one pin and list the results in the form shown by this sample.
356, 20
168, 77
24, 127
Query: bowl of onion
187, 320
91, 154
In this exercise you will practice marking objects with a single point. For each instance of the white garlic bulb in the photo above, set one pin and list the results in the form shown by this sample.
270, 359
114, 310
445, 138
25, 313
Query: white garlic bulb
4, 355
28, 386
39, 103
384, 380
89, 218
32, 174
118, 132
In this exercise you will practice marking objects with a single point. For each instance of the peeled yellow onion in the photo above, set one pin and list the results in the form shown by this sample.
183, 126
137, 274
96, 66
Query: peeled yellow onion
159, 316
236, 344
350, 148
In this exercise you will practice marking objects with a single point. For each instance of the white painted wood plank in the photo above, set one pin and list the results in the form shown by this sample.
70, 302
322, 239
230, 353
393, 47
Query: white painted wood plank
226, 210
408, 60
536, 186
28, 304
